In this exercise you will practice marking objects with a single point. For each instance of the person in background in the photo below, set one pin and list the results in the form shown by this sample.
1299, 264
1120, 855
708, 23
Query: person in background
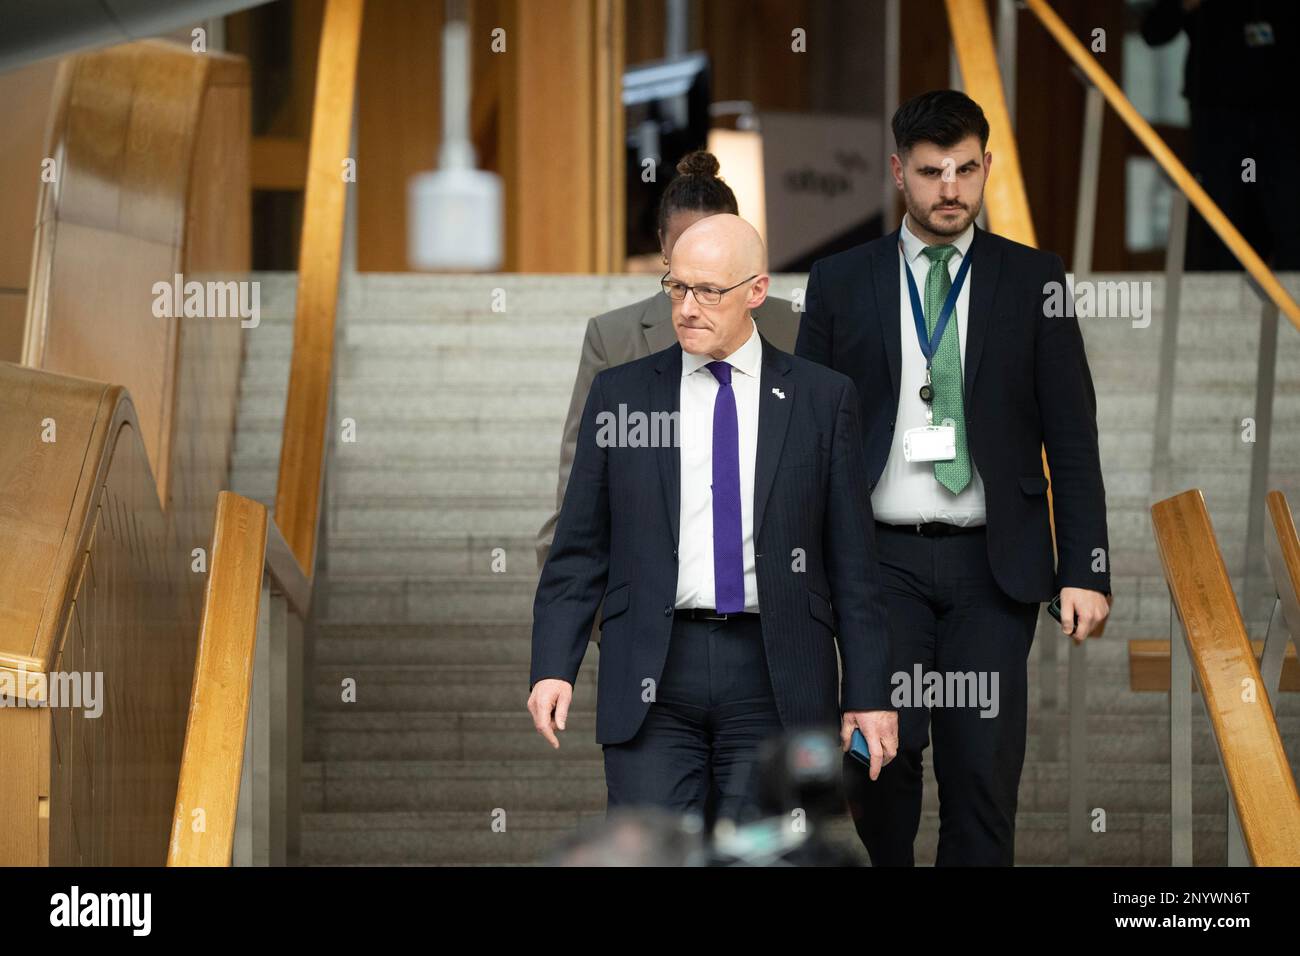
635, 331
1239, 82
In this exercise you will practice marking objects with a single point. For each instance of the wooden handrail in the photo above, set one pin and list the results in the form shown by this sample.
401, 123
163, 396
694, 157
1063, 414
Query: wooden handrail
246, 540
207, 795
87, 573
245, 543
1259, 778
1163, 155
1283, 550
302, 449
285, 547
1149, 659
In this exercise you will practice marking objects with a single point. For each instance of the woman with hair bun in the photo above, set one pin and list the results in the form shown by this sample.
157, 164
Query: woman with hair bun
642, 328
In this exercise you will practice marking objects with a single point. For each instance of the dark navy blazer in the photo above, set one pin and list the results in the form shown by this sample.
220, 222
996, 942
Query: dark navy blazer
814, 542
1027, 385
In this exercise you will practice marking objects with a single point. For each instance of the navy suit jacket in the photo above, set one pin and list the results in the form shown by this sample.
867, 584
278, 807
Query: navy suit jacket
617, 541
1027, 385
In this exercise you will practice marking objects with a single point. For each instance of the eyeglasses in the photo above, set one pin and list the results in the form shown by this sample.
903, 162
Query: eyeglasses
704, 295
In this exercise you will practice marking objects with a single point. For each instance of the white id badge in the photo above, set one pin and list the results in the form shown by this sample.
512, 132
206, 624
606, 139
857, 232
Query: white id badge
930, 443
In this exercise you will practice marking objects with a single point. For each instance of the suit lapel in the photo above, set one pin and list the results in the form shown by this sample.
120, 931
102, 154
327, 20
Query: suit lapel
984, 267
666, 397
657, 323
775, 399
885, 276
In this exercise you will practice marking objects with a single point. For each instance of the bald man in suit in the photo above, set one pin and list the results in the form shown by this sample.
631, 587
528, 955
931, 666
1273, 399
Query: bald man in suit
714, 639
632, 332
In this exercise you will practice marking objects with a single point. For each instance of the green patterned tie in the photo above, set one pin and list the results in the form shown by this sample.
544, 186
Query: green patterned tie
945, 369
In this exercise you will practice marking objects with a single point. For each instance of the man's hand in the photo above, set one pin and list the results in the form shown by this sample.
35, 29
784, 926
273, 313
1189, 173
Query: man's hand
550, 696
880, 727
1089, 607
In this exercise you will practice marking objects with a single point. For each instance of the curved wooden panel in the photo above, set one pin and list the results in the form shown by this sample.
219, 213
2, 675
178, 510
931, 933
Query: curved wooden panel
302, 449
208, 792
150, 142
24, 115
1245, 732
93, 591
98, 529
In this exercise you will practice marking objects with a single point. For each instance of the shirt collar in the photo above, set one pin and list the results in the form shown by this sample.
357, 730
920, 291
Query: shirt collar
913, 247
747, 359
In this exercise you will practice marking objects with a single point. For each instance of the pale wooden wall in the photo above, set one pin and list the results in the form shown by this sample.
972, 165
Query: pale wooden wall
97, 529
24, 110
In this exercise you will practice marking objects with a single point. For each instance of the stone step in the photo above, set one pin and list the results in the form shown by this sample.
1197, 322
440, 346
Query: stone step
453, 839
1199, 336
521, 366
1220, 449
1202, 293
476, 784
535, 403
400, 476
1132, 544
416, 481
506, 599
386, 686
347, 732
546, 334
344, 734
1108, 692
422, 644
439, 641
1127, 519
458, 411
388, 297
446, 688
432, 555
510, 516
416, 596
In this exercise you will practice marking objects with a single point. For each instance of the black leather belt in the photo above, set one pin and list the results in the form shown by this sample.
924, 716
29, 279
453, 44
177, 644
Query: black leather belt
931, 529
708, 614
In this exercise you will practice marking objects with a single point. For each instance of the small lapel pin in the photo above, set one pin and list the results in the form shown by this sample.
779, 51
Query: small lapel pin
778, 393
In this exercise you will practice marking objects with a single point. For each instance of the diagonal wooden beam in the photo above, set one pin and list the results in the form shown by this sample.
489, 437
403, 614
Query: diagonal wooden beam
302, 449
1004, 196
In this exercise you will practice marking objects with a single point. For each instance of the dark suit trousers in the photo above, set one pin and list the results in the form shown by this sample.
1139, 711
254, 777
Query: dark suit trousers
713, 708
947, 613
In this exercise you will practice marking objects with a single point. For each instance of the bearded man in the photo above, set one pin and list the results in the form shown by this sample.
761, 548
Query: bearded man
966, 373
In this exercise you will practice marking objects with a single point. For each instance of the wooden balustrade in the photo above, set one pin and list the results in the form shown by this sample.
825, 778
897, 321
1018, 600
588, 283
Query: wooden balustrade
236, 799
1213, 648
114, 441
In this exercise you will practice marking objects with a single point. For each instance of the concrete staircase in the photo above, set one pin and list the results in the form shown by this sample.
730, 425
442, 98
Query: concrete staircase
458, 410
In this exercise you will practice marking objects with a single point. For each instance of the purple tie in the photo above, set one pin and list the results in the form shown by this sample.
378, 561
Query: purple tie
728, 554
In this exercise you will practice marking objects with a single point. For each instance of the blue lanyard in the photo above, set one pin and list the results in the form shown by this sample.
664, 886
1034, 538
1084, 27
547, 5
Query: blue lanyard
928, 343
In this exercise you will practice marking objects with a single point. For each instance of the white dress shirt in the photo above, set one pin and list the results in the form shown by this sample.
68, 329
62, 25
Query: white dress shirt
699, 389
908, 492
